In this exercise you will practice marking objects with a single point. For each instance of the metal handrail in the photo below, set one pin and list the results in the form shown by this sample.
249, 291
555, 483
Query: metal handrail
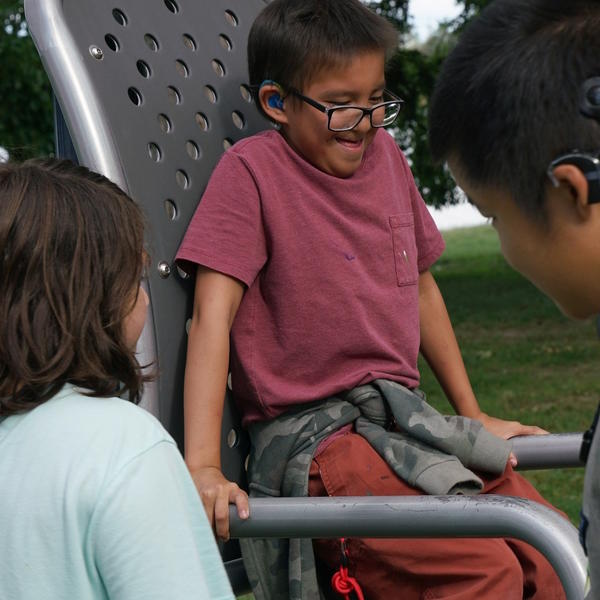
422, 517
554, 451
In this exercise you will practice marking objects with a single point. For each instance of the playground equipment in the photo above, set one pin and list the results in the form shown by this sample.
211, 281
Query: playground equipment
150, 94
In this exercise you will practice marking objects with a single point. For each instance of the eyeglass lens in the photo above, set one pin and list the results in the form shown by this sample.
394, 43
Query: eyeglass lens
348, 118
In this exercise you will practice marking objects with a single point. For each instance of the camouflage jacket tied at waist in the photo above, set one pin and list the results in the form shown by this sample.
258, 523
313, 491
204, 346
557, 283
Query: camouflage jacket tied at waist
426, 449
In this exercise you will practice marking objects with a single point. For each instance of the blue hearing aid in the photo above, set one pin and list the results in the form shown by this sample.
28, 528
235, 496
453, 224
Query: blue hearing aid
275, 100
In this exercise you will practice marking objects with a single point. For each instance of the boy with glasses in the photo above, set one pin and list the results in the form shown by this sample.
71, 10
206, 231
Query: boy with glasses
516, 115
313, 247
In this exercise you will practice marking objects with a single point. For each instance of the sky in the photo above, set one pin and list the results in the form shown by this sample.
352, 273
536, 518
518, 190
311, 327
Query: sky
426, 15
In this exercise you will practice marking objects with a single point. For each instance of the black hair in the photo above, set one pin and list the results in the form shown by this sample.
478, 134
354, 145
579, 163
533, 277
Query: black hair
506, 102
291, 40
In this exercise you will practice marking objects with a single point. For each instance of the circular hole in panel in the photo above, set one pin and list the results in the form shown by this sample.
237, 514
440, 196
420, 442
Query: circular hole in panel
154, 152
174, 95
232, 438
189, 42
231, 18
218, 67
171, 210
112, 42
188, 324
225, 42
119, 16
227, 143
202, 121
182, 68
172, 6
143, 69
135, 96
151, 42
182, 273
246, 93
164, 122
182, 179
192, 149
238, 119
210, 93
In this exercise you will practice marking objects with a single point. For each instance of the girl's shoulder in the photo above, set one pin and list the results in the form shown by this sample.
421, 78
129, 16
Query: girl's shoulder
110, 422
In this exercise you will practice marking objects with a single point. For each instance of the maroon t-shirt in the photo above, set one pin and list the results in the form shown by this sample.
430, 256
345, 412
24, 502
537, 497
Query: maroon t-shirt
331, 267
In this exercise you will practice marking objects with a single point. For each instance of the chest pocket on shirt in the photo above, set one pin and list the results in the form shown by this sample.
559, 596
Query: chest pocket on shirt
405, 249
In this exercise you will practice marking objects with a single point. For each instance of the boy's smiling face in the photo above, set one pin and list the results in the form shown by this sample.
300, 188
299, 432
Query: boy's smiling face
360, 81
560, 256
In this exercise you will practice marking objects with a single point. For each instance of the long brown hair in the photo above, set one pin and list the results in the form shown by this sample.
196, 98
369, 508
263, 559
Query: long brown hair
71, 258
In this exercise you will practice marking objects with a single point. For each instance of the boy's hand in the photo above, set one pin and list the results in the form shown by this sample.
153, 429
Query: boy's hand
508, 429
217, 493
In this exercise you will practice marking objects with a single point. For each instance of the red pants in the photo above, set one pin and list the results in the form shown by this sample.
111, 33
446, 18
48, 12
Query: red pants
423, 569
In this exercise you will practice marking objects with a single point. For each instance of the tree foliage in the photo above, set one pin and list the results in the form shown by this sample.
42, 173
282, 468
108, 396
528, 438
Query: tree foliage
411, 74
26, 118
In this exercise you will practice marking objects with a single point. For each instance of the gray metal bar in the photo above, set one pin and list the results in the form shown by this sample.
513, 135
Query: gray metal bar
423, 517
553, 451
74, 89
83, 113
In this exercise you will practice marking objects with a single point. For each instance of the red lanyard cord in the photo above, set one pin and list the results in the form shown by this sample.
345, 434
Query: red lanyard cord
341, 582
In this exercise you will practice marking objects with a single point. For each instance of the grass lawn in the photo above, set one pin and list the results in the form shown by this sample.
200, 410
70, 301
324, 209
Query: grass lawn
525, 360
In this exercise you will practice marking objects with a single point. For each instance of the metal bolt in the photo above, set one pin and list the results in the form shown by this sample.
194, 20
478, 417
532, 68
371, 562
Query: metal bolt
96, 52
164, 270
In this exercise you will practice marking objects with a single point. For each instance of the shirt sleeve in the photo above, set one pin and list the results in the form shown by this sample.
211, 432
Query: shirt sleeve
430, 243
226, 233
149, 536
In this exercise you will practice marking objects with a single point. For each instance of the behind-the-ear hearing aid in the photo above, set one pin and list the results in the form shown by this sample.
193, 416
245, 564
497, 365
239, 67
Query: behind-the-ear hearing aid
589, 103
588, 164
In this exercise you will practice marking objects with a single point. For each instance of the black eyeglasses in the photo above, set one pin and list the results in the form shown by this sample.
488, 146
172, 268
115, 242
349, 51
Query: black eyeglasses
347, 117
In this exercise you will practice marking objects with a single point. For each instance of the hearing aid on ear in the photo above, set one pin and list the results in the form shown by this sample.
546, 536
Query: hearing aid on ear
275, 100
588, 164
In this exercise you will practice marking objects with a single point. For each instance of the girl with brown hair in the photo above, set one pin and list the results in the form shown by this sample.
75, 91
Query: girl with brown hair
96, 501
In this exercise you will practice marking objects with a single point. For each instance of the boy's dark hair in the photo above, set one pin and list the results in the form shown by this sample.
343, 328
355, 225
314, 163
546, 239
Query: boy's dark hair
71, 258
507, 99
291, 40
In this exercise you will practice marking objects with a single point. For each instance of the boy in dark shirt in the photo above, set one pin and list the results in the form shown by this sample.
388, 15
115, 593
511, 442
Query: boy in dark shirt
515, 115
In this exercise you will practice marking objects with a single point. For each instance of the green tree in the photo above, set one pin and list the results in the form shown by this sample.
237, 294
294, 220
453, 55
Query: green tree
26, 117
395, 11
411, 74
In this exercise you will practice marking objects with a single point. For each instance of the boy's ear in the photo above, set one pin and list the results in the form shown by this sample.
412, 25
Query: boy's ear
272, 102
571, 177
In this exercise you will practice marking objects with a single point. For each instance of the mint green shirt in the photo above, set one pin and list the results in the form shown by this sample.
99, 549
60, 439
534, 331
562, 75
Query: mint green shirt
95, 503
